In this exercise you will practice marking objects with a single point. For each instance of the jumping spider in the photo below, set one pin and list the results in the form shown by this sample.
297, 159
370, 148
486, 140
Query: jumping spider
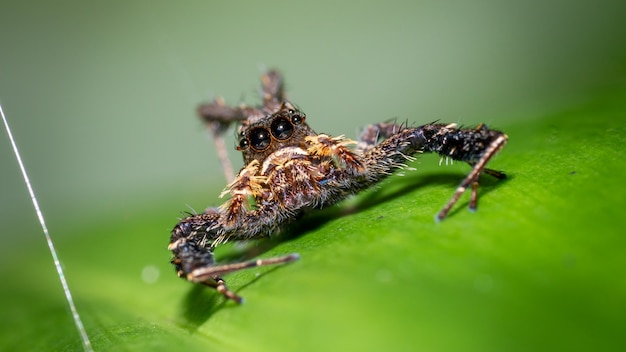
289, 169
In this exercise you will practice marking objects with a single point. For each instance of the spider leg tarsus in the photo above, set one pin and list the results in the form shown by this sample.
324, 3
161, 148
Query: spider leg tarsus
446, 209
228, 294
210, 275
474, 197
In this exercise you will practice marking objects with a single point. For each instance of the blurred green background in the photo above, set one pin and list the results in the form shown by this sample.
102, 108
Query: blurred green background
101, 99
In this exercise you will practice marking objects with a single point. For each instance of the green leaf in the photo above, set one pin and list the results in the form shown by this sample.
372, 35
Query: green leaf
539, 266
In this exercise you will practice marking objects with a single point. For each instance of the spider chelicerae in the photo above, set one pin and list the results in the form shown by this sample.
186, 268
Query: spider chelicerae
290, 169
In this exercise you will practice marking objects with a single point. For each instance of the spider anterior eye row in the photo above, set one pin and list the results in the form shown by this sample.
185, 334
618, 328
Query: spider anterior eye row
281, 128
259, 138
243, 144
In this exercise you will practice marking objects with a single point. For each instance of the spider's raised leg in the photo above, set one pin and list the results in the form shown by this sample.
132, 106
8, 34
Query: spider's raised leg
376, 133
477, 147
218, 116
474, 146
272, 88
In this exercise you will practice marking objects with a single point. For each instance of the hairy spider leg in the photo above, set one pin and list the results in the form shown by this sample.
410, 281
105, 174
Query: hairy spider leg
218, 116
383, 143
210, 276
192, 243
473, 176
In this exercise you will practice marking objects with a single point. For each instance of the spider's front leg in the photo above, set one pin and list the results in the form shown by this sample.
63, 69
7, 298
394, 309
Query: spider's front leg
192, 243
194, 238
475, 146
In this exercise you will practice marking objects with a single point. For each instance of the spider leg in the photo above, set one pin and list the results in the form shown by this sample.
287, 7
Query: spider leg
212, 272
192, 244
218, 117
272, 89
494, 173
475, 146
195, 237
474, 196
375, 133
210, 275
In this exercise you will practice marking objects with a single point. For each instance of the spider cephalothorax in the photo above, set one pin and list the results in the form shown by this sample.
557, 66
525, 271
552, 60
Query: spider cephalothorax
284, 128
289, 169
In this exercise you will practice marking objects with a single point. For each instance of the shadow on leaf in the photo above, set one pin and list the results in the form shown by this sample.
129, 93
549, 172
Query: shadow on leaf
202, 302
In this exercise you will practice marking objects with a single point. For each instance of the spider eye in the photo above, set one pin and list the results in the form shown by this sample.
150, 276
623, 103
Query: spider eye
297, 119
243, 144
281, 129
259, 138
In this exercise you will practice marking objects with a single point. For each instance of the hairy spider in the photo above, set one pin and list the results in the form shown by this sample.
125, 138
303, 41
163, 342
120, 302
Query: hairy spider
289, 169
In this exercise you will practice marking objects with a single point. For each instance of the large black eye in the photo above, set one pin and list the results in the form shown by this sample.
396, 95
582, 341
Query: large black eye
259, 138
281, 128
243, 144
